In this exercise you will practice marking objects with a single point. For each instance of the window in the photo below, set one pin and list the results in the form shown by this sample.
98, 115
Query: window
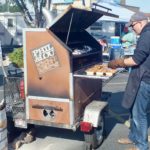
10, 23
96, 26
119, 28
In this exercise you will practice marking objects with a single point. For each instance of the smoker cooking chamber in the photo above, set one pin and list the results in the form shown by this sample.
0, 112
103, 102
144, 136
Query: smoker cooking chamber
53, 57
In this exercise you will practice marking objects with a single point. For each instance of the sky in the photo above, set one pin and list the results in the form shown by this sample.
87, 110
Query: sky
143, 4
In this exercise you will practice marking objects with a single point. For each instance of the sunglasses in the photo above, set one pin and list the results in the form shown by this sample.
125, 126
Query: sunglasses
132, 25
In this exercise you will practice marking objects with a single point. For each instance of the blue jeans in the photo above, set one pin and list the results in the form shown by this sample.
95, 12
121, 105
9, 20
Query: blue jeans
139, 124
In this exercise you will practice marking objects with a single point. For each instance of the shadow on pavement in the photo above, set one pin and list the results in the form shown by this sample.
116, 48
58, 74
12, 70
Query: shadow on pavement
60, 133
114, 102
115, 113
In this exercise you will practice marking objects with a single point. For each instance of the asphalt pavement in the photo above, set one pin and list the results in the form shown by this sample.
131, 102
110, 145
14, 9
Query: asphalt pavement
59, 139
48, 138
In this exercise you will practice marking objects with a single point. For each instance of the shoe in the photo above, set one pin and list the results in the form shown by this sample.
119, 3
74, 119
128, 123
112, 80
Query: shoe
124, 141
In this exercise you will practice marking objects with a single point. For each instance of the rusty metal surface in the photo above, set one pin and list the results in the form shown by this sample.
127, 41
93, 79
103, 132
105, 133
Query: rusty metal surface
49, 111
50, 76
54, 82
85, 90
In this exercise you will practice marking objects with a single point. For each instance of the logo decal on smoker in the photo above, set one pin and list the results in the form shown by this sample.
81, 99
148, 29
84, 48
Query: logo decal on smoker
45, 58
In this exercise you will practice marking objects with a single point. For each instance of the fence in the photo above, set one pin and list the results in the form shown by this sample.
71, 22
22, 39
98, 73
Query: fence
15, 105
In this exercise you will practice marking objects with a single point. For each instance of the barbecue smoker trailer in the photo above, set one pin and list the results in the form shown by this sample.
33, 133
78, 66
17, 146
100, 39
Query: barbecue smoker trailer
58, 93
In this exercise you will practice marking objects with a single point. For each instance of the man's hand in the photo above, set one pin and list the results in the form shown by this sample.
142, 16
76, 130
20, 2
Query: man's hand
117, 63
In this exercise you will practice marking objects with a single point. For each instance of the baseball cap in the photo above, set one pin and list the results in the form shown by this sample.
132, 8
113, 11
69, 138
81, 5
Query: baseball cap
138, 16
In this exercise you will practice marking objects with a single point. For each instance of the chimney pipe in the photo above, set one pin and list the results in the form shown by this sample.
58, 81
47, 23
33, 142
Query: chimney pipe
49, 16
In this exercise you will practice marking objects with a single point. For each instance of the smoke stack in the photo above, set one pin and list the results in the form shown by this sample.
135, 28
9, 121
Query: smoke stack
49, 16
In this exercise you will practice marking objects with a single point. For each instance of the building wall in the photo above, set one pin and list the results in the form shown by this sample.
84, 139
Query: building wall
106, 29
11, 26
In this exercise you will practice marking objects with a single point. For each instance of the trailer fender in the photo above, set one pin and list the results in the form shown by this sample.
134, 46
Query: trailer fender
92, 112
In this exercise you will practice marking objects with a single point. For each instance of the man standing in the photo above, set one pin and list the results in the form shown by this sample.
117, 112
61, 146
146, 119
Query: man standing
128, 41
137, 93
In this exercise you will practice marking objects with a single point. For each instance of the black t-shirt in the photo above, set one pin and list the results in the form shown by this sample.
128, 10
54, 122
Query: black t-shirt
146, 77
142, 52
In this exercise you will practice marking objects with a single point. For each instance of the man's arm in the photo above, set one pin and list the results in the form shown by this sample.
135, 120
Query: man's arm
129, 62
140, 54
121, 62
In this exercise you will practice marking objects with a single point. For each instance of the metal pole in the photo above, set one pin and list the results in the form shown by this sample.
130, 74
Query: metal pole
1, 61
7, 4
69, 28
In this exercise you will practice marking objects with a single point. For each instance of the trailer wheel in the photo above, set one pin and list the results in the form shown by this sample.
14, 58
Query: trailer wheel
95, 137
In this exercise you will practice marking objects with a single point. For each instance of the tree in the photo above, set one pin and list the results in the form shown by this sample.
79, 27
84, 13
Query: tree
3, 7
21, 6
9, 6
16, 57
37, 5
27, 16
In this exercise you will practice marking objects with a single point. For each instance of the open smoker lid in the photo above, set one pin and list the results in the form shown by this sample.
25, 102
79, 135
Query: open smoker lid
77, 19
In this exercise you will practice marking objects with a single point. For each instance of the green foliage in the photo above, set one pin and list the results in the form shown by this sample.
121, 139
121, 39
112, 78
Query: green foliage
16, 57
9, 7
14, 9
3, 8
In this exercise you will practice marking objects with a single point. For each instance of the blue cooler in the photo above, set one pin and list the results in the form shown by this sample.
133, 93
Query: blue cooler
115, 42
116, 50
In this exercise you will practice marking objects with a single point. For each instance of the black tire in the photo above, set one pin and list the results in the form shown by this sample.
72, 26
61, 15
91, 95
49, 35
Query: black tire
95, 137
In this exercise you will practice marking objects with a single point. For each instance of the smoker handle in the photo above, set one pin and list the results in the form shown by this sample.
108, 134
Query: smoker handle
95, 4
47, 107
